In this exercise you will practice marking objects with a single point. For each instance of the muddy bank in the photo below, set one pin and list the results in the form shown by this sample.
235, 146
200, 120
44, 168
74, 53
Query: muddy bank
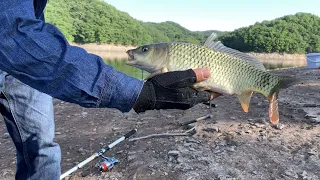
230, 145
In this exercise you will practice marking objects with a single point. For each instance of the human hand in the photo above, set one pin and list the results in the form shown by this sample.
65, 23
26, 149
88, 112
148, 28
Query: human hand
173, 90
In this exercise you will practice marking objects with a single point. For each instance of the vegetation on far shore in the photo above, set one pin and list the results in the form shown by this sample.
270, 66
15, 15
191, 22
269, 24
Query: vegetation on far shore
95, 21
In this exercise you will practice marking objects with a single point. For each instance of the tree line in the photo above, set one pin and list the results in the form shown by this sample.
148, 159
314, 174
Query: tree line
299, 33
95, 21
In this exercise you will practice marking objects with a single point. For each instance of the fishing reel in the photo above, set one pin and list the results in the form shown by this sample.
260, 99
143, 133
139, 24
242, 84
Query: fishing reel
107, 163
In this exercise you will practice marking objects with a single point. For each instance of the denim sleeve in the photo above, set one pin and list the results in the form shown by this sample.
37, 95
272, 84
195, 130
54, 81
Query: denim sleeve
38, 54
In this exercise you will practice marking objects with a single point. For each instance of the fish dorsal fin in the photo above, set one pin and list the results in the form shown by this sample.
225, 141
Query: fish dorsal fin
218, 46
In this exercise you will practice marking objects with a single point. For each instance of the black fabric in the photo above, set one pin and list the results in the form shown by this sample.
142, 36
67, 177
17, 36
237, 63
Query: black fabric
172, 90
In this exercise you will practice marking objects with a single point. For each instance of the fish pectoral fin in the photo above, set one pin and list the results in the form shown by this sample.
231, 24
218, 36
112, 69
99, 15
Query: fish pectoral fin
273, 109
244, 99
162, 70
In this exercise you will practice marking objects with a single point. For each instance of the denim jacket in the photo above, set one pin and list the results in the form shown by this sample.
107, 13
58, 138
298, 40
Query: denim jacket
38, 54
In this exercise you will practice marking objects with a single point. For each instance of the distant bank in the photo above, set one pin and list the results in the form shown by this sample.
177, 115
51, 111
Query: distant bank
110, 51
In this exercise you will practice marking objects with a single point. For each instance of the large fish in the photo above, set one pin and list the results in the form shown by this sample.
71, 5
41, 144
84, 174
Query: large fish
232, 72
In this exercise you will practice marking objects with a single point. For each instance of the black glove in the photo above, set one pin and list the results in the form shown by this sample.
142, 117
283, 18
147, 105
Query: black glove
172, 90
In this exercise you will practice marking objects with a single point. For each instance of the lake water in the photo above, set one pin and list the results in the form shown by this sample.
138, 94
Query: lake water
119, 64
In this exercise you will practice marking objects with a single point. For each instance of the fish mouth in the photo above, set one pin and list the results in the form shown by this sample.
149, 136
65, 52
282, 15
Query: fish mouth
131, 59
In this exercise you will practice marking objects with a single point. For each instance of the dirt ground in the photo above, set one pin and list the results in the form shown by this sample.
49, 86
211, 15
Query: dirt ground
230, 145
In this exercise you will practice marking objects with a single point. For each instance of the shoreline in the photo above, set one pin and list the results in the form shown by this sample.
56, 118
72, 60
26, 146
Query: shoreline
112, 51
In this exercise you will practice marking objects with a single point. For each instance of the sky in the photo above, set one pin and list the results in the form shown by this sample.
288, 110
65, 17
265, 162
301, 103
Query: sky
224, 15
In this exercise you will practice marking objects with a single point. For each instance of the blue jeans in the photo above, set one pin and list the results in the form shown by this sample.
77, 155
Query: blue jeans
28, 115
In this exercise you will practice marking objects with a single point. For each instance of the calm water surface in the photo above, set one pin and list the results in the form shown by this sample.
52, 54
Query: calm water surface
119, 64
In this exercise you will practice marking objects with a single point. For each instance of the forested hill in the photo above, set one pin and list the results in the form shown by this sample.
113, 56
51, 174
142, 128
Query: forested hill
88, 21
299, 33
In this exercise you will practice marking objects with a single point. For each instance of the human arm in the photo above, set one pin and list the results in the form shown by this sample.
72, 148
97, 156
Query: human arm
38, 54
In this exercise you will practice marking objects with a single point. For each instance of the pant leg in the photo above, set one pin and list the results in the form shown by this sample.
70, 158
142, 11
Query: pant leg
28, 115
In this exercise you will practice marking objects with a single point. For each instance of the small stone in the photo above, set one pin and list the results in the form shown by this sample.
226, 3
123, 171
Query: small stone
291, 174
173, 153
255, 172
211, 129
68, 153
173, 156
231, 149
115, 129
80, 150
6, 135
279, 126
233, 118
131, 157
57, 133
84, 114
248, 131
304, 175
312, 152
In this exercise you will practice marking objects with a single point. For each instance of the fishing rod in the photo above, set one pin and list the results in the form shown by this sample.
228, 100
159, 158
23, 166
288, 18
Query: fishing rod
97, 154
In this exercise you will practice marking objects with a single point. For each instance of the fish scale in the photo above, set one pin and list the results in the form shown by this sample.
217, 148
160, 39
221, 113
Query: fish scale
228, 74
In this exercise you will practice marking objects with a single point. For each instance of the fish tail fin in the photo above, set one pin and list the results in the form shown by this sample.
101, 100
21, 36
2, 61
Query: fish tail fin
273, 97
273, 108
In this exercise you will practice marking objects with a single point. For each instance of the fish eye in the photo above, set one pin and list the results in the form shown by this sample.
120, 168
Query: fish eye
145, 49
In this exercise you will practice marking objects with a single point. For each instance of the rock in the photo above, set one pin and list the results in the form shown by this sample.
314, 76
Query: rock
131, 157
6, 135
313, 152
304, 175
173, 155
57, 133
115, 129
233, 118
84, 114
80, 150
211, 129
279, 126
231, 148
290, 173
